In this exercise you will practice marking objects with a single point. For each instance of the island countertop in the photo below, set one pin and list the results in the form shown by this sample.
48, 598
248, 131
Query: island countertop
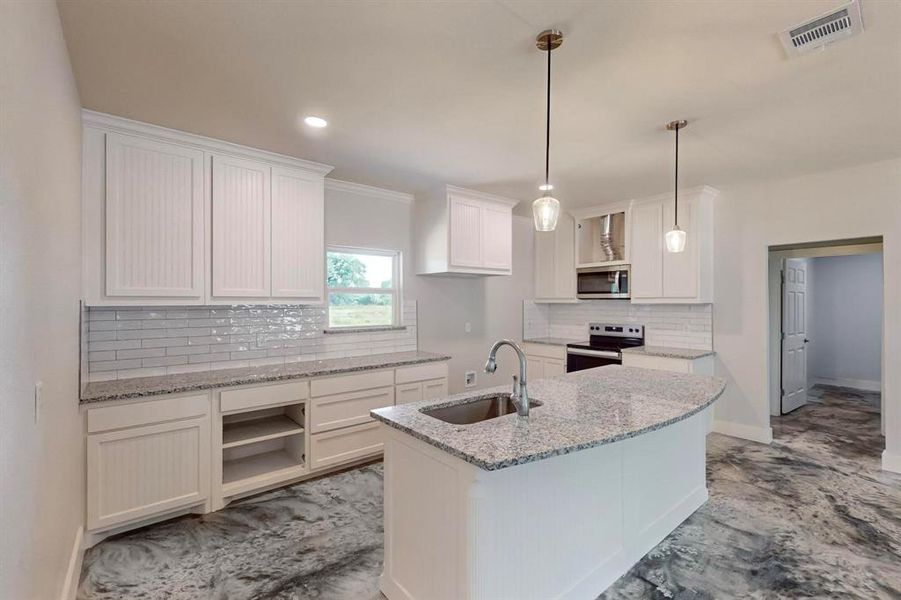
579, 410
102, 391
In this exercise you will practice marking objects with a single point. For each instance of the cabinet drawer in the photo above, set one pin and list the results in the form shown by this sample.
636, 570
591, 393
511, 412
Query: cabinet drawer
344, 445
352, 408
143, 471
263, 395
661, 363
545, 351
146, 413
420, 372
408, 392
434, 389
351, 383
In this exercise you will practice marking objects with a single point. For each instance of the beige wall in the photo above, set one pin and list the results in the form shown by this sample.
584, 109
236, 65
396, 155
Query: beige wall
492, 305
850, 203
42, 496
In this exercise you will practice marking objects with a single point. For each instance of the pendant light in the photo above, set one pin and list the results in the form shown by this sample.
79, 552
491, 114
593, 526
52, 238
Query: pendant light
675, 237
546, 209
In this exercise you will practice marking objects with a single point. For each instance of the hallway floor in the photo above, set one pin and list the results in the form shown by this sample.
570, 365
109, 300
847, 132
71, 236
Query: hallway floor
811, 515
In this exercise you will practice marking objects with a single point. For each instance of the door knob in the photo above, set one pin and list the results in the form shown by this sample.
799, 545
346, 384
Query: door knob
806, 340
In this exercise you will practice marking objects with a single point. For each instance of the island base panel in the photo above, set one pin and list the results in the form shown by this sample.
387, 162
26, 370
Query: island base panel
562, 527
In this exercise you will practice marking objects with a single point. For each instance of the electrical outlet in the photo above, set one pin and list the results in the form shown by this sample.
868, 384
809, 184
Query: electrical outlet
38, 392
467, 327
470, 378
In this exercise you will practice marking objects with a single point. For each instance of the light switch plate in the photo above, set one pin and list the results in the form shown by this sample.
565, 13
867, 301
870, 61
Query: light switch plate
470, 378
38, 392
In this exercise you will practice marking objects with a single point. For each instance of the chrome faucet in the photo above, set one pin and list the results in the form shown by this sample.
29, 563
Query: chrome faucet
519, 396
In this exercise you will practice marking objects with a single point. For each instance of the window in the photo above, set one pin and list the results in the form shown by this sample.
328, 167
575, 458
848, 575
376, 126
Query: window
363, 287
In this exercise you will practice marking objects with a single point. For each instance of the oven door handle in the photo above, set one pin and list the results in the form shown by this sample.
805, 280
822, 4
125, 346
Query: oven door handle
601, 353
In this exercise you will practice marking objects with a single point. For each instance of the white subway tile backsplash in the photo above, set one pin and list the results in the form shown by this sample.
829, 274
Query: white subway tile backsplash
145, 341
680, 325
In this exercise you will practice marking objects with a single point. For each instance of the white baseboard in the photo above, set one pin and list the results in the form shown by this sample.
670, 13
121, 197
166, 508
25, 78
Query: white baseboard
73, 572
891, 462
763, 435
857, 384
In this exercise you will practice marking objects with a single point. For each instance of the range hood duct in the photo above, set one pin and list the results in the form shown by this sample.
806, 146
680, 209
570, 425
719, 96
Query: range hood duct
606, 241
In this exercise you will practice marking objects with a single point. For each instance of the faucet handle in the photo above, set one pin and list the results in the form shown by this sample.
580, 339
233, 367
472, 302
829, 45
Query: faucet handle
515, 393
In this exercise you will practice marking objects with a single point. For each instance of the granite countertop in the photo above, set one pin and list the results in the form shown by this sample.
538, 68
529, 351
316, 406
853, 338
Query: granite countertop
668, 352
102, 391
553, 341
579, 410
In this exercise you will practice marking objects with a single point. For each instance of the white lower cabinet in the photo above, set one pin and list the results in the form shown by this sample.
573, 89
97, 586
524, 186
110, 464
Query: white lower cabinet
147, 458
544, 360
160, 456
345, 445
702, 365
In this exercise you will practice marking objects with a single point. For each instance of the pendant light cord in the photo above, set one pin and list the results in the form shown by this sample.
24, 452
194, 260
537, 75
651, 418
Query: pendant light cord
547, 139
676, 184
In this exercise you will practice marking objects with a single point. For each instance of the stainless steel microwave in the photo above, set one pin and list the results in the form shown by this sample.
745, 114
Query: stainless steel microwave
602, 282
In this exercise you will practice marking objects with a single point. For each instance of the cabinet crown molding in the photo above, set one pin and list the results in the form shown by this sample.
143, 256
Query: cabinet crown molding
476, 195
368, 190
118, 124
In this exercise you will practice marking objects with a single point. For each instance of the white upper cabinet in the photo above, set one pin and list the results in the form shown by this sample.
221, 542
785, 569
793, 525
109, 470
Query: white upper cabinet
555, 264
153, 205
241, 228
662, 277
298, 244
461, 231
171, 218
647, 250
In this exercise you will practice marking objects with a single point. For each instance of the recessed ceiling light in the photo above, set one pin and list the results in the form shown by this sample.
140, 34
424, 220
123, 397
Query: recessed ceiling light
317, 122
545, 187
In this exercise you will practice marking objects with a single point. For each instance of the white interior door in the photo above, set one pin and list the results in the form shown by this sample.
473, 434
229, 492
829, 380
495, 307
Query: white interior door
794, 334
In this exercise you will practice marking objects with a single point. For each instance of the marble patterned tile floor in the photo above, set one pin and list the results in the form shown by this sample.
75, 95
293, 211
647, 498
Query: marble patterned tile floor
810, 516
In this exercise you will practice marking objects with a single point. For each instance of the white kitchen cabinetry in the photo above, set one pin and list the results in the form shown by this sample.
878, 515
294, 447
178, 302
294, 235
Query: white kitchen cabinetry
662, 277
464, 232
298, 230
699, 366
420, 382
555, 262
241, 228
147, 458
144, 219
171, 218
544, 360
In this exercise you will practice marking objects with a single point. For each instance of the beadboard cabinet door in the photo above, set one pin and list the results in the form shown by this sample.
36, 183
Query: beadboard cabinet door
647, 250
555, 262
154, 219
241, 228
143, 471
497, 237
298, 245
466, 235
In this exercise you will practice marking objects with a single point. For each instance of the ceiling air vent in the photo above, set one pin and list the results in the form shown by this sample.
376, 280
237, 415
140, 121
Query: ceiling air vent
817, 33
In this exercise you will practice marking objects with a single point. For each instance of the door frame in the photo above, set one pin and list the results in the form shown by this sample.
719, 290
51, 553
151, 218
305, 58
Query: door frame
776, 256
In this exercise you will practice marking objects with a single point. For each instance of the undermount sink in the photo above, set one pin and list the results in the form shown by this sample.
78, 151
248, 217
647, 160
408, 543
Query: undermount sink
477, 410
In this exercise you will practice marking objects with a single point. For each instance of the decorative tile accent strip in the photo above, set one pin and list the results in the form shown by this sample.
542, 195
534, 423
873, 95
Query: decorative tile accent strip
144, 341
671, 325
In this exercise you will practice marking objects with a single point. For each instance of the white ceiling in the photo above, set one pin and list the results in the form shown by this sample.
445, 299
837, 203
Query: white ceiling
421, 93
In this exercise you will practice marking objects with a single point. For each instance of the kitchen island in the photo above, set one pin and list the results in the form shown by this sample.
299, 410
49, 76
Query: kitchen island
557, 504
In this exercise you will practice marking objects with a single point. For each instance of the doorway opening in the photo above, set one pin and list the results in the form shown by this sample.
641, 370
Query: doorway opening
826, 330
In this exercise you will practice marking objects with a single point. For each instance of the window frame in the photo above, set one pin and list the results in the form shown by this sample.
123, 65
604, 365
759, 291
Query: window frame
395, 291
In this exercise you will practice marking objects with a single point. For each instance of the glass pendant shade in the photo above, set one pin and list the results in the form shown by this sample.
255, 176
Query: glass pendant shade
545, 211
675, 240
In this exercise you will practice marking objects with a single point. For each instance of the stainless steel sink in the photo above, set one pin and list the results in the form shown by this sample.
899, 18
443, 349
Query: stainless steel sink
476, 410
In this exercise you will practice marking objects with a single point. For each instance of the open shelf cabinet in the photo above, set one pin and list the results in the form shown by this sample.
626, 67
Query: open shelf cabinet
263, 447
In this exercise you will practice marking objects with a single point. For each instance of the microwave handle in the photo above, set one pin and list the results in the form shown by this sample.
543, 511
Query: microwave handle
616, 281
